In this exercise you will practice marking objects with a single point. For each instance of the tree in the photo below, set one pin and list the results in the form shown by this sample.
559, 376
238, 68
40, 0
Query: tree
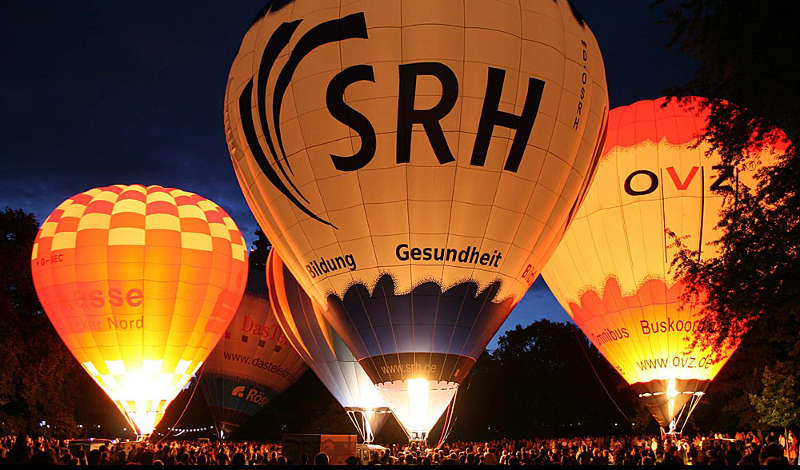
260, 252
539, 382
40, 381
778, 404
36, 377
726, 405
744, 50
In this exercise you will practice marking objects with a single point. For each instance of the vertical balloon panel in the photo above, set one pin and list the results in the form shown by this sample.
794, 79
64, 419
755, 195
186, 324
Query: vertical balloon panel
139, 282
415, 163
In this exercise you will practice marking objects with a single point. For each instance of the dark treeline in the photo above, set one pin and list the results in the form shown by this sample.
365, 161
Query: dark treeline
43, 389
540, 382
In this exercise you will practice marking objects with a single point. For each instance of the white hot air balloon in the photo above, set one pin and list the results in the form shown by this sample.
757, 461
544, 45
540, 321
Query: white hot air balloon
415, 163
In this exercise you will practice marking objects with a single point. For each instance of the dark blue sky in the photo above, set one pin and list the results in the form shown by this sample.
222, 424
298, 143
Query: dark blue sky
105, 92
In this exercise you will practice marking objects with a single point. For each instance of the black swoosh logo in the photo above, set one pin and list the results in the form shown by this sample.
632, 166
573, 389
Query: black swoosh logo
351, 26
348, 27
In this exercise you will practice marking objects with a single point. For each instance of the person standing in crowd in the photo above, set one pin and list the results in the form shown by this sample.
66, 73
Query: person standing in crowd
791, 443
772, 452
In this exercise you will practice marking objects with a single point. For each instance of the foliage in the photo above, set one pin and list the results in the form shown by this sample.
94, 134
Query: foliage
260, 252
778, 404
540, 382
39, 379
36, 365
726, 406
744, 50
745, 53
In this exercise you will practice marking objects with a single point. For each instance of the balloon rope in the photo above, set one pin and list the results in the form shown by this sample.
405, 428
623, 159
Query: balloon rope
692, 405
586, 355
444, 428
185, 407
370, 436
353, 419
448, 421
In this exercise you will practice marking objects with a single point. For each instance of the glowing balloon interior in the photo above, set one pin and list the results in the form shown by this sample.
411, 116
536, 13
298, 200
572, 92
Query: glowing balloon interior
611, 272
252, 363
415, 163
140, 283
312, 337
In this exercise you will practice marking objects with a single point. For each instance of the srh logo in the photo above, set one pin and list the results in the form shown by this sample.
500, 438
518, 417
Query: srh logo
354, 27
641, 182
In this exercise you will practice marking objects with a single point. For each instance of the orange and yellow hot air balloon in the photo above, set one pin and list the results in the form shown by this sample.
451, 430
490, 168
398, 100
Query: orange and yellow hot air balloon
611, 272
140, 282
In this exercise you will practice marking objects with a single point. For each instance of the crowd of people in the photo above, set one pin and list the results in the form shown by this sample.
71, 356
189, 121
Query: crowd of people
717, 449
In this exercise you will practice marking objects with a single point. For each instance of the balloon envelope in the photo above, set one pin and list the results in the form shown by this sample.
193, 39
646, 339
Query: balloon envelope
140, 283
252, 363
611, 272
323, 350
414, 163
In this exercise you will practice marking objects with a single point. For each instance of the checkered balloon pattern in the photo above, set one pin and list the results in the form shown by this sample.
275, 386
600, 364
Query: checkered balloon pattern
140, 282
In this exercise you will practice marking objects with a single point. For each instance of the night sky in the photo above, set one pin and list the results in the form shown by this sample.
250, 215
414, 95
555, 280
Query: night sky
107, 92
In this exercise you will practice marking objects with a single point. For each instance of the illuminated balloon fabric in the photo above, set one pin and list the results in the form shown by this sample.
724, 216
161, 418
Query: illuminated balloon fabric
422, 156
140, 283
611, 272
323, 350
253, 361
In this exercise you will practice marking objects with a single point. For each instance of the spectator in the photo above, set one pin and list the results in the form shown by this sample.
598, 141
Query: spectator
321, 459
238, 460
21, 452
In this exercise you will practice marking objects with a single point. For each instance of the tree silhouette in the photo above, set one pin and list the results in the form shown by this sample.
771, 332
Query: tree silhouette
745, 53
540, 382
778, 404
260, 252
40, 381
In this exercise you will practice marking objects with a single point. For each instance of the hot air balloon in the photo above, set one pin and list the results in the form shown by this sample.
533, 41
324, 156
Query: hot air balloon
611, 272
415, 163
252, 363
139, 282
313, 338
